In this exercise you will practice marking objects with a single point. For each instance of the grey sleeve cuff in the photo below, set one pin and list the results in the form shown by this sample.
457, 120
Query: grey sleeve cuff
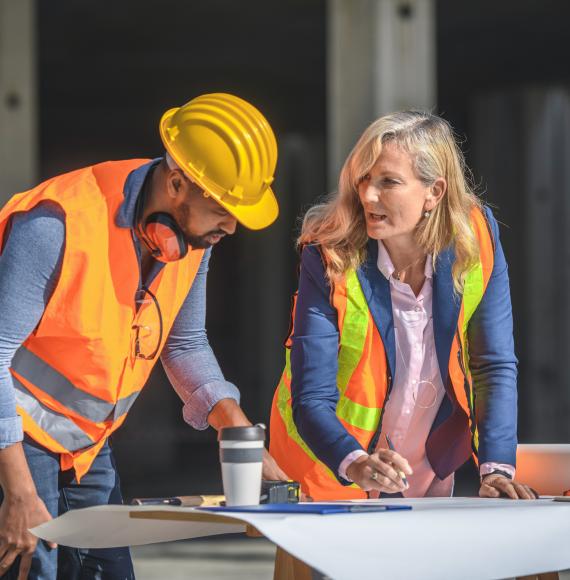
204, 398
199, 382
11, 431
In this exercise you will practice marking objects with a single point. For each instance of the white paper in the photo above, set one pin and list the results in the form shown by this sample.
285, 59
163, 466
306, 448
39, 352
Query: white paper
439, 539
111, 526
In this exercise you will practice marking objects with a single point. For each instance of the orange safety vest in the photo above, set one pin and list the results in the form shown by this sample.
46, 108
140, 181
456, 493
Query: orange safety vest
363, 378
76, 376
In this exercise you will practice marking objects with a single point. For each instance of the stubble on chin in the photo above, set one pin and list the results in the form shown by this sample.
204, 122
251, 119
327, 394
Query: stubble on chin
197, 242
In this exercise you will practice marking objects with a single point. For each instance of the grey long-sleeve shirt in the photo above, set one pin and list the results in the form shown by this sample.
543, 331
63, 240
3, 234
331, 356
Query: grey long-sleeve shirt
30, 265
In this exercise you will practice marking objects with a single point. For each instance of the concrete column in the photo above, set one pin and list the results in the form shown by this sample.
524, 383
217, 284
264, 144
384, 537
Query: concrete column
18, 114
381, 58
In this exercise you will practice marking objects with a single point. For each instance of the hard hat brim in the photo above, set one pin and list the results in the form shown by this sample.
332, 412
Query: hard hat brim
254, 216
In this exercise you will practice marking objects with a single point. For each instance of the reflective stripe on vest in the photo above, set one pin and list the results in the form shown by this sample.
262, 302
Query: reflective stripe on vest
353, 335
32, 368
285, 409
59, 427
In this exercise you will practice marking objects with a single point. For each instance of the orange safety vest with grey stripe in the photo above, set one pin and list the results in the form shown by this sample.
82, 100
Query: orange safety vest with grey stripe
363, 379
77, 375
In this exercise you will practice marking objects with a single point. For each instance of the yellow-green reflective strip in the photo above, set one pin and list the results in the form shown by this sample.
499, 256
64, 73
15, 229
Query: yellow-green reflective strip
472, 293
353, 337
358, 415
286, 410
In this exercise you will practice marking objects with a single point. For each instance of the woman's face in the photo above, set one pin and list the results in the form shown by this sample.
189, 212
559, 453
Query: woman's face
393, 198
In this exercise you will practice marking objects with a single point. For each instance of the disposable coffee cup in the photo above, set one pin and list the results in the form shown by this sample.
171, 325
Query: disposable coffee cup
241, 457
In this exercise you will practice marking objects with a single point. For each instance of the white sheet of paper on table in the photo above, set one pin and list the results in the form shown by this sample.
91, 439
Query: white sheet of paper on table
440, 538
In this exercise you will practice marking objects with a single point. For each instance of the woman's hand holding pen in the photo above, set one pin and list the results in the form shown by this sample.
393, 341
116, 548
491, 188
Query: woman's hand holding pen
380, 471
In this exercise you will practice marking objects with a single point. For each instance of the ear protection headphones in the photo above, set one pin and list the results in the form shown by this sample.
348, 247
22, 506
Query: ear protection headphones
160, 232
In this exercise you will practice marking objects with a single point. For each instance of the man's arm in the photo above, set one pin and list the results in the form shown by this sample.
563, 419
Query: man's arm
195, 374
29, 269
189, 361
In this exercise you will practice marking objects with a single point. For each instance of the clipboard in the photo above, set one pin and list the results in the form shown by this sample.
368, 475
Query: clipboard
322, 509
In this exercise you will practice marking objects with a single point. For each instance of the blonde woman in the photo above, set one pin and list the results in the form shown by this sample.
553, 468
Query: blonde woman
400, 362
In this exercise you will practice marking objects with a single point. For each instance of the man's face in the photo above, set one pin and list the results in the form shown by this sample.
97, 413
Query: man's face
203, 220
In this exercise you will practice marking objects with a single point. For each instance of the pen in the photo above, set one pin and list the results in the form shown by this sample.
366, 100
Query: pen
392, 448
156, 501
365, 508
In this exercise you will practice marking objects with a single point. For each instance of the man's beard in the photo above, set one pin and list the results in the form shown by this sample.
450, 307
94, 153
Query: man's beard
194, 241
200, 242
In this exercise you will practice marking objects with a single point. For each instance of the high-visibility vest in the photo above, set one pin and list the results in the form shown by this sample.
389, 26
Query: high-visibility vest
363, 379
76, 376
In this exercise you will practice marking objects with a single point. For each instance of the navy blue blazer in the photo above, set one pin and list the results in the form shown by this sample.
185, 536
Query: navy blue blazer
492, 361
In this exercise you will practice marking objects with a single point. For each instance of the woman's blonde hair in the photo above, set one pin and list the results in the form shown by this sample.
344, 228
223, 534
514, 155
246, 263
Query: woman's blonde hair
338, 225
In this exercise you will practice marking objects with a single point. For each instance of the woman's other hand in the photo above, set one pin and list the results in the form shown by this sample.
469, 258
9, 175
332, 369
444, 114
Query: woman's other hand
496, 485
382, 471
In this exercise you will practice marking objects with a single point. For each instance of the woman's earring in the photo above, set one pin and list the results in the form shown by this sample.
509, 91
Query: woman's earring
427, 214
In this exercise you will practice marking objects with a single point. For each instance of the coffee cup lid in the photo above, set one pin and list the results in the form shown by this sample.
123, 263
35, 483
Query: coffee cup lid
253, 433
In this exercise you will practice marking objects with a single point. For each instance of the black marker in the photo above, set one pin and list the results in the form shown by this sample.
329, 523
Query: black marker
156, 501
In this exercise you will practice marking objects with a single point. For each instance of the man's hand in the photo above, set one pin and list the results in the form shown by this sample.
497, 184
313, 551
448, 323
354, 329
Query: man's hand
496, 485
21, 509
271, 470
380, 471
227, 413
17, 515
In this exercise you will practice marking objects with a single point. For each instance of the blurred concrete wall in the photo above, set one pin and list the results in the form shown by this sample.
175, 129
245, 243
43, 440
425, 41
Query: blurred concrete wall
18, 99
521, 145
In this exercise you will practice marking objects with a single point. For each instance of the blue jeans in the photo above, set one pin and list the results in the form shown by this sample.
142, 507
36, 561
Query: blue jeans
60, 492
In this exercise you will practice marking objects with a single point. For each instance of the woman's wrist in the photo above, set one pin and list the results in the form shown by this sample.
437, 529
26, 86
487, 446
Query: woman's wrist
351, 469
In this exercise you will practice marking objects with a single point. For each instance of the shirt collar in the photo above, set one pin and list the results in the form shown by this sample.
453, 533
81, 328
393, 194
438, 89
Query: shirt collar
125, 217
387, 268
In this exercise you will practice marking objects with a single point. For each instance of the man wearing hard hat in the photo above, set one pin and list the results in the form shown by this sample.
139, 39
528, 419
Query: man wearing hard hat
102, 271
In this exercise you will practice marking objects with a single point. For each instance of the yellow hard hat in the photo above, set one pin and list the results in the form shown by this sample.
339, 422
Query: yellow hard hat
227, 147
